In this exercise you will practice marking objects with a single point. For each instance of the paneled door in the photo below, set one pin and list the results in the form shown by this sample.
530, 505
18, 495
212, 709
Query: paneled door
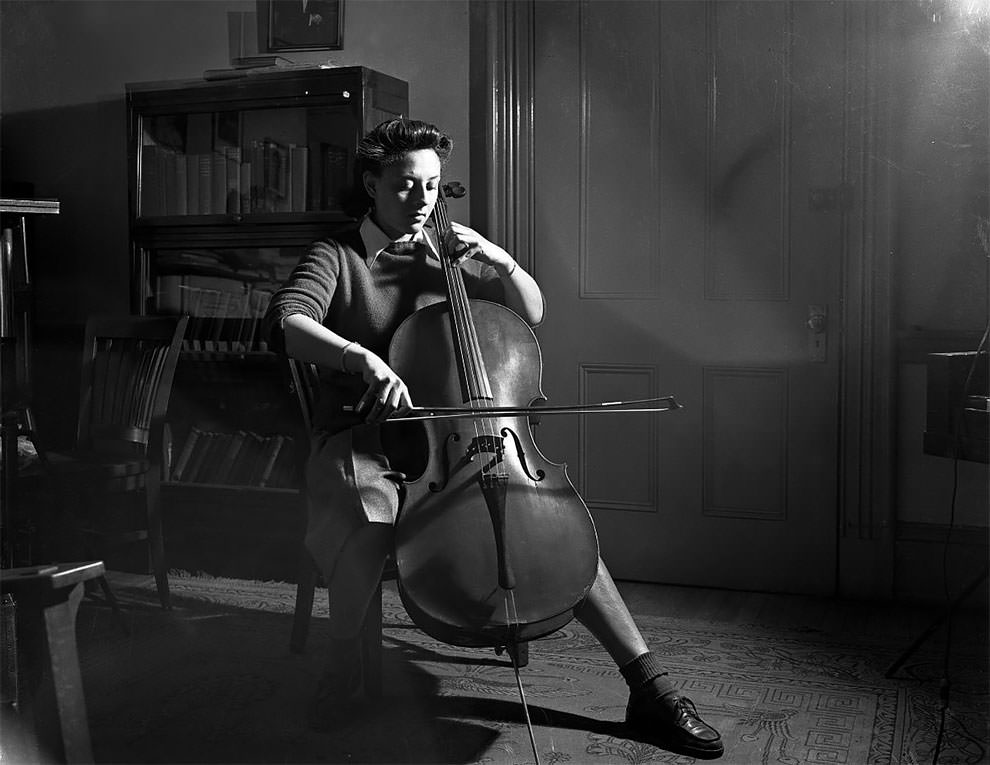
688, 228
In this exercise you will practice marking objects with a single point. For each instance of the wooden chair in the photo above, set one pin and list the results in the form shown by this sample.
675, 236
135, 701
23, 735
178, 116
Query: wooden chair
304, 382
128, 364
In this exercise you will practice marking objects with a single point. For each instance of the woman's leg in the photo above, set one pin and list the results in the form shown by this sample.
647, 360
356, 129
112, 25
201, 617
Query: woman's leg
605, 615
356, 577
656, 711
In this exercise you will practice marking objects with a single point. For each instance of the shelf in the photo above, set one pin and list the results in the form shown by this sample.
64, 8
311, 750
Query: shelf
261, 358
230, 181
30, 206
222, 488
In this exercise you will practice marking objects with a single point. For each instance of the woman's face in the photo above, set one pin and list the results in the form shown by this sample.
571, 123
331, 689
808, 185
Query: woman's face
405, 193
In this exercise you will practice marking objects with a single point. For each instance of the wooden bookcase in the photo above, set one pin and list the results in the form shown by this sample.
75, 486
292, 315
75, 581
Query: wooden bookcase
229, 181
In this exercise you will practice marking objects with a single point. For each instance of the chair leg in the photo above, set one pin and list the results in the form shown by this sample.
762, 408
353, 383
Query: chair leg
156, 541
371, 646
305, 592
114, 604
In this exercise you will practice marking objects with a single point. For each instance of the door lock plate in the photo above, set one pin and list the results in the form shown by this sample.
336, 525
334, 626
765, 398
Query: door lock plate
817, 334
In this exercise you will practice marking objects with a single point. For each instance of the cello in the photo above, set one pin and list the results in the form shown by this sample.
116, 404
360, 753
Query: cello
493, 544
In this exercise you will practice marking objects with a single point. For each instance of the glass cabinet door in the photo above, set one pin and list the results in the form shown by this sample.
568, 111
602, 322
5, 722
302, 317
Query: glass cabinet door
245, 162
224, 291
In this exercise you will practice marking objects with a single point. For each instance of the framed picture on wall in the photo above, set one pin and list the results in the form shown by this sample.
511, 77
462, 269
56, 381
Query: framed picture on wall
300, 25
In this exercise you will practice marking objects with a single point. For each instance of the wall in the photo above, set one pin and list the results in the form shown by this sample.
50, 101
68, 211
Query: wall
64, 68
940, 267
62, 74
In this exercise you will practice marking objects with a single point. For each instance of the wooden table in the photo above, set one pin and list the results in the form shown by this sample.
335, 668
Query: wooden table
50, 721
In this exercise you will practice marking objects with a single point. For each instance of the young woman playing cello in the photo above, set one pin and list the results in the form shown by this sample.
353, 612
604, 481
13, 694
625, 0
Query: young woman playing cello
339, 310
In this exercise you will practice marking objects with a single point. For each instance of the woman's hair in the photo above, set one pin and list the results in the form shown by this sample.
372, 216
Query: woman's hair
387, 144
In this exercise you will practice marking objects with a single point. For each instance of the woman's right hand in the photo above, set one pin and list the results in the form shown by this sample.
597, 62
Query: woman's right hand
386, 395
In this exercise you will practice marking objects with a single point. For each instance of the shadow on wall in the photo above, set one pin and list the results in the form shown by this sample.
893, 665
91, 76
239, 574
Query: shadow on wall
78, 260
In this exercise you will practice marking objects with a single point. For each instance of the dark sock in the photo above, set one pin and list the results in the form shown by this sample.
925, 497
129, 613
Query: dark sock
342, 672
645, 671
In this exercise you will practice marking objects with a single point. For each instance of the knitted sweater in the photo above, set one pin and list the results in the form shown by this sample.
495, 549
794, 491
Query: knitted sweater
336, 285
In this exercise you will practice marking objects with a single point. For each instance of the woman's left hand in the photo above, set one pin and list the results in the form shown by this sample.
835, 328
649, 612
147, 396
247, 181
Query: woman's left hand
467, 244
522, 294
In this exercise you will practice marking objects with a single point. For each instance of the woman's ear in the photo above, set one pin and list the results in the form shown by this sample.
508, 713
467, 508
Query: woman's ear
370, 181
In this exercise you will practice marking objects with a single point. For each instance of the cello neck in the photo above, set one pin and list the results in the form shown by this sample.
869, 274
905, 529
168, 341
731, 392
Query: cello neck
475, 387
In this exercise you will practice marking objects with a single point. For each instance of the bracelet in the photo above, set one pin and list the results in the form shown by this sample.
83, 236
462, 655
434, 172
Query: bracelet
343, 356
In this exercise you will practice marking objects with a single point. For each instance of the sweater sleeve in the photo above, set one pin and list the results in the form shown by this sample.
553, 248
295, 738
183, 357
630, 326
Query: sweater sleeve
308, 291
485, 284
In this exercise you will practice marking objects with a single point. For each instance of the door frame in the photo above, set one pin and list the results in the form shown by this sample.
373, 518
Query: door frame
501, 74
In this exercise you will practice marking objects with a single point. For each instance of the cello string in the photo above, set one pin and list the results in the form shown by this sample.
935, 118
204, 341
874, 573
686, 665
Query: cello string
469, 355
459, 317
484, 386
478, 378
457, 308
479, 389
477, 367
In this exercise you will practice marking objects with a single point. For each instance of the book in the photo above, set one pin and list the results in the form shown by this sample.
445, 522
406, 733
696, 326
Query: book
246, 191
232, 155
333, 178
205, 183
202, 455
273, 447
219, 203
175, 183
199, 455
182, 463
169, 294
235, 72
249, 62
152, 181
283, 474
260, 170
244, 470
192, 184
234, 447
210, 464
299, 177
273, 185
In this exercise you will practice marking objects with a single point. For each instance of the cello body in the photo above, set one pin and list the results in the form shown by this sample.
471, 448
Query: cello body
494, 546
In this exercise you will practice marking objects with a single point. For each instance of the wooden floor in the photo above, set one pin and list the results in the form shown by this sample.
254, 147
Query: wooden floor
896, 622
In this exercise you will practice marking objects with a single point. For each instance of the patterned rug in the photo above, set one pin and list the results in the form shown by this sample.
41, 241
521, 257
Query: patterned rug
213, 681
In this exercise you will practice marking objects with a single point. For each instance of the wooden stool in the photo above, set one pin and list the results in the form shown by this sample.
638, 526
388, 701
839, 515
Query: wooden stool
50, 703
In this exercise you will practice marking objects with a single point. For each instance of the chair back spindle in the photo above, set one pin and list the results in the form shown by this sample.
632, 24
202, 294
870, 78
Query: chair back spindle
127, 372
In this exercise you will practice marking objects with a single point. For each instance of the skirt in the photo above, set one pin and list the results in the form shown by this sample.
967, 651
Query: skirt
349, 482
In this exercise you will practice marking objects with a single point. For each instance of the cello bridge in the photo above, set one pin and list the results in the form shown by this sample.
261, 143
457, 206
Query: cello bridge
487, 444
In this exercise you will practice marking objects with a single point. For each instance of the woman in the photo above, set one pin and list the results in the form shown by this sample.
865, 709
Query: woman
339, 310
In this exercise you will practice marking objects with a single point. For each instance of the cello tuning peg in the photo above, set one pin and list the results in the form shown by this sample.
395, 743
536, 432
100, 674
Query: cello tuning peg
454, 190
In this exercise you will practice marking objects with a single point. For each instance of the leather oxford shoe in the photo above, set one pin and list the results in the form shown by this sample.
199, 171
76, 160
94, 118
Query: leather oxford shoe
671, 722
